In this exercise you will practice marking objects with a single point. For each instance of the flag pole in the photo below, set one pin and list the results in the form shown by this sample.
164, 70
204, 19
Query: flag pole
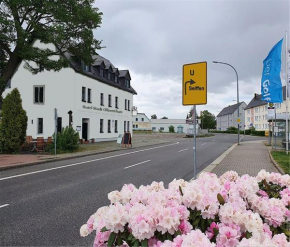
287, 84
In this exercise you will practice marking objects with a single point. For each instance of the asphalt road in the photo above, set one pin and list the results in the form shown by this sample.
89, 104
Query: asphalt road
46, 205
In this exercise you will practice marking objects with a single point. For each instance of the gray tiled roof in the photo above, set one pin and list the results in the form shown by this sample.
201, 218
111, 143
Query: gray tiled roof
229, 109
258, 102
94, 75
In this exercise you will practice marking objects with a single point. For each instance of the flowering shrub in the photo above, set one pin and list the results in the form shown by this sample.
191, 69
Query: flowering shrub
209, 211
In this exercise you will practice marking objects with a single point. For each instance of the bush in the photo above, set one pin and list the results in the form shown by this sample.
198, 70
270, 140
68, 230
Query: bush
66, 141
13, 124
209, 211
232, 128
171, 129
258, 133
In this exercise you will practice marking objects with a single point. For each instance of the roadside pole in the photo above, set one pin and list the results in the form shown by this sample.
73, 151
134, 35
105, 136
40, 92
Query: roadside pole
287, 91
275, 132
55, 130
194, 92
194, 141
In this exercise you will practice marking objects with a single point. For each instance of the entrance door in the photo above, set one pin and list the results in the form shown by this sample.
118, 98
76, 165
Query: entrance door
85, 131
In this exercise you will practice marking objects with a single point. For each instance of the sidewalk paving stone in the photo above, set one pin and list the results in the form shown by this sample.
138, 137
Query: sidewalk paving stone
246, 158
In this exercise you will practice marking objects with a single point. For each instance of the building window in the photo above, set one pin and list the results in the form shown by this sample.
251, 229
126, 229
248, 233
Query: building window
128, 126
109, 126
142, 119
124, 126
101, 73
86, 67
153, 128
110, 100
101, 125
136, 126
248, 111
109, 76
116, 126
40, 126
136, 119
83, 94
248, 119
102, 99
128, 105
125, 104
39, 94
116, 79
127, 83
40, 67
116, 102
89, 95
161, 128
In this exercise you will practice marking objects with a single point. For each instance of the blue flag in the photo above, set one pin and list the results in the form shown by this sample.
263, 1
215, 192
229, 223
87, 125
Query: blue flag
271, 85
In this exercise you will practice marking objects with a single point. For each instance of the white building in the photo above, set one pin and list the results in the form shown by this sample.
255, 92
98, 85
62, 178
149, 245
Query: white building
141, 122
256, 113
99, 96
180, 125
228, 116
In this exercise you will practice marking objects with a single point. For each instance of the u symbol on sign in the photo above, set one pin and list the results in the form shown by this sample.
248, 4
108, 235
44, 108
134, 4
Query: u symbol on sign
191, 72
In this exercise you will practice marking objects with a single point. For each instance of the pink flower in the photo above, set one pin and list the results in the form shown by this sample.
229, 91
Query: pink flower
185, 227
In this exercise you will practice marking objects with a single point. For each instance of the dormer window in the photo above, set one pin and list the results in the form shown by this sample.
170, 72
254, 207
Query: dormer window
86, 67
109, 76
116, 79
101, 73
127, 83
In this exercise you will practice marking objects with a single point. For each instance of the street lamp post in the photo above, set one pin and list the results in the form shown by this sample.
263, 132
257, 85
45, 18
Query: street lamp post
237, 96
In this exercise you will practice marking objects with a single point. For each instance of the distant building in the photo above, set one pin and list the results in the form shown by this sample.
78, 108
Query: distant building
141, 122
256, 113
180, 125
228, 116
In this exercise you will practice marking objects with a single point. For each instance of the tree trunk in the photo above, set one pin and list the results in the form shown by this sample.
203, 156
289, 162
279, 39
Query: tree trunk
9, 70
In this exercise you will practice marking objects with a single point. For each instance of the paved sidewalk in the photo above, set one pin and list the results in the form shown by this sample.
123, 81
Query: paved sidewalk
139, 140
246, 158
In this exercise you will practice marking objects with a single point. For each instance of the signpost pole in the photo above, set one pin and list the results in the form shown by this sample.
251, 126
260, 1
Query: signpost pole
275, 132
194, 141
55, 131
287, 92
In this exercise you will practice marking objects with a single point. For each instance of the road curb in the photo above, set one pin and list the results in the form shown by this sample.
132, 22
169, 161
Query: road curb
15, 166
274, 162
217, 161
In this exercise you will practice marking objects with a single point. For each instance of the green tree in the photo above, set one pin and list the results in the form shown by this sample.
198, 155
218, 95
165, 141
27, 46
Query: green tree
208, 120
171, 129
164, 118
13, 124
154, 116
67, 24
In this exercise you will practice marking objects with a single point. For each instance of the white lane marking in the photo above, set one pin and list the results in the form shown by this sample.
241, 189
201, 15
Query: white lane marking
182, 150
84, 162
203, 144
5, 205
213, 140
137, 164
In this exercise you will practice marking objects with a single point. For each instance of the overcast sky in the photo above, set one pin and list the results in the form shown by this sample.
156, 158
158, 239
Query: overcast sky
154, 38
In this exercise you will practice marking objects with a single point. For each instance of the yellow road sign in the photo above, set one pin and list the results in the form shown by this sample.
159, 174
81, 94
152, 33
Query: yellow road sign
194, 84
238, 120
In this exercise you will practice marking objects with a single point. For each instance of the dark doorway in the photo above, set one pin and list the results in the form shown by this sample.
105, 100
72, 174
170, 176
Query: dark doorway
59, 124
85, 131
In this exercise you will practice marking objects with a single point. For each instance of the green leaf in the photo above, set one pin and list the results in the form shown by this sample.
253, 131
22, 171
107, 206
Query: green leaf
248, 234
104, 229
144, 243
195, 223
111, 239
119, 239
169, 237
220, 199
286, 232
177, 233
180, 190
136, 243
216, 231
203, 228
